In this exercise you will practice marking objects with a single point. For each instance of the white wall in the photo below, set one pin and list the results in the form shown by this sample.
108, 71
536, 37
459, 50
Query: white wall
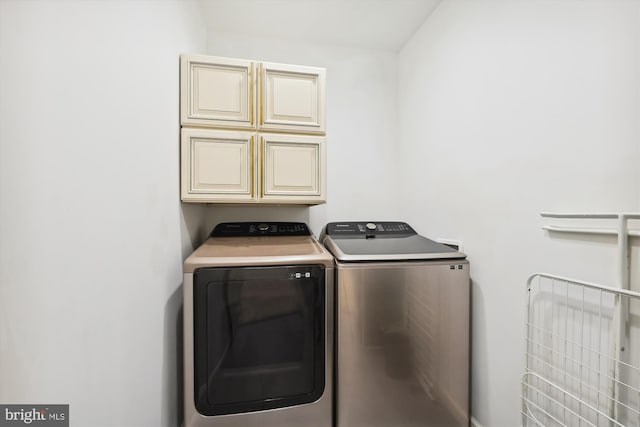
92, 233
361, 104
507, 109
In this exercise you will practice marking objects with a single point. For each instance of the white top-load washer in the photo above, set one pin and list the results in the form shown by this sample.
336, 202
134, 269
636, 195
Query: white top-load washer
402, 327
258, 328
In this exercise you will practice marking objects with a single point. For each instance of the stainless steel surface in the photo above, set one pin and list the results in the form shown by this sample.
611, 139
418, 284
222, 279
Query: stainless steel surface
403, 344
251, 252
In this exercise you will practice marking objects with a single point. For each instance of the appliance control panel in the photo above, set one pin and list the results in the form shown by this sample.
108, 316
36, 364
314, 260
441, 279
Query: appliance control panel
248, 229
369, 229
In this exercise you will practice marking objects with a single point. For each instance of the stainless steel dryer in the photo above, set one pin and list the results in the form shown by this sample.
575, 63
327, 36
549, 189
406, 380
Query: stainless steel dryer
402, 327
258, 328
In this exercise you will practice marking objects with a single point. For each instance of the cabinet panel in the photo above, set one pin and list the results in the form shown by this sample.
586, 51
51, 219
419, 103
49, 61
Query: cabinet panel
217, 91
293, 167
217, 165
292, 98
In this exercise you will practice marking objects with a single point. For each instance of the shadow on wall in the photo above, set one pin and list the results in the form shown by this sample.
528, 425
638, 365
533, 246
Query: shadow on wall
192, 230
172, 382
479, 365
193, 227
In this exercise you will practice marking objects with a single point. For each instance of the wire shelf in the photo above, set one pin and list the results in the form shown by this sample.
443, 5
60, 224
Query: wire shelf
582, 354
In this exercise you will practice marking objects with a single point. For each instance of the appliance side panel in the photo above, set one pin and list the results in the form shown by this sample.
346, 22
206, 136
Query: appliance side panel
190, 413
403, 344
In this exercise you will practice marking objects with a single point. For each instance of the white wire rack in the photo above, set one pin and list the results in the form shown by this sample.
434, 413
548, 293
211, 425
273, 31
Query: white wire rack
577, 371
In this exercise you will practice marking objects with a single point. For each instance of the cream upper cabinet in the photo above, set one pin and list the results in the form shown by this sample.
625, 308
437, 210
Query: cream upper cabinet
217, 165
292, 168
221, 166
217, 92
252, 132
292, 98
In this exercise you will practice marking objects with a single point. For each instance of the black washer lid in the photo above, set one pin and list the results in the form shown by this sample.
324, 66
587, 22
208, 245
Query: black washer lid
387, 241
369, 229
249, 229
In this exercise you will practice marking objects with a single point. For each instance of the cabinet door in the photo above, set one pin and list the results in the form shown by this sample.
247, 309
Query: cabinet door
217, 92
217, 166
292, 98
293, 168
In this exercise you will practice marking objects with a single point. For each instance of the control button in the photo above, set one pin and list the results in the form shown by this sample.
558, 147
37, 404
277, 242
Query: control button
263, 227
371, 226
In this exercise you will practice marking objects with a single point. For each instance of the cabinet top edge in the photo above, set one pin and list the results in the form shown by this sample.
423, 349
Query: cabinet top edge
202, 57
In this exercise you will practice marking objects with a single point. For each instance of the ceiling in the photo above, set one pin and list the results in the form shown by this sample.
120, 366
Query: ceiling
371, 24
